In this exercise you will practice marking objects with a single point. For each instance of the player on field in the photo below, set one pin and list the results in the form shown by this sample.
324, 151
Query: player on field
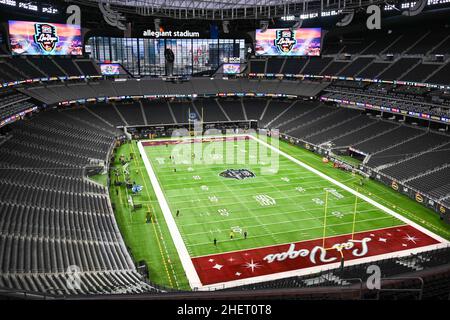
231, 235
178, 213
215, 242
245, 234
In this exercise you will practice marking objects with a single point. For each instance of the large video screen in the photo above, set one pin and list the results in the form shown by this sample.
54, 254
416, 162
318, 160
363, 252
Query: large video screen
43, 38
110, 69
231, 68
287, 42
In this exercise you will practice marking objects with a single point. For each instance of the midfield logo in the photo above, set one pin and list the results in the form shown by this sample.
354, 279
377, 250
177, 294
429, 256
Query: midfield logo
45, 36
239, 174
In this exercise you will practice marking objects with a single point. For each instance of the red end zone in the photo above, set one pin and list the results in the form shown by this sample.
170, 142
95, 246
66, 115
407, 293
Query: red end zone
250, 263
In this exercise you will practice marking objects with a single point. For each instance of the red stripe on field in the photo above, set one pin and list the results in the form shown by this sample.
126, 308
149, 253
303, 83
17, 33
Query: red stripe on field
250, 263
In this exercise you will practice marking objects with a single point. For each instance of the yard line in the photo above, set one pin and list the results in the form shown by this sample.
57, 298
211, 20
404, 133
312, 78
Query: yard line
255, 167
287, 184
220, 206
269, 215
297, 230
188, 176
249, 201
285, 221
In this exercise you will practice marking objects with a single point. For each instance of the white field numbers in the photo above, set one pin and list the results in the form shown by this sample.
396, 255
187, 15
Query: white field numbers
318, 201
224, 212
236, 229
213, 198
265, 200
337, 214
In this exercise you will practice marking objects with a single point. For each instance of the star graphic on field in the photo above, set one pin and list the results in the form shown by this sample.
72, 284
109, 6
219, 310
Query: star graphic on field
238, 274
389, 234
211, 260
252, 265
382, 240
218, 266
411, 238
404, 245
372, 235
231, 259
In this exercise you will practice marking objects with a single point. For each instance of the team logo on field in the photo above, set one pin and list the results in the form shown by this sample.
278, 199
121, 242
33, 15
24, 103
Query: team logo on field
285, 40
239, 174
45, 36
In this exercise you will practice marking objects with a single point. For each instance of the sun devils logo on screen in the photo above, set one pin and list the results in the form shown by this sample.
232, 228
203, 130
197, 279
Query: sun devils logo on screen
45, 36
285, 40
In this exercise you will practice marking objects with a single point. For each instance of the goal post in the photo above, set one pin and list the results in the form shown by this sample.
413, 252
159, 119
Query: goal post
325, 216
354, 215
325, 220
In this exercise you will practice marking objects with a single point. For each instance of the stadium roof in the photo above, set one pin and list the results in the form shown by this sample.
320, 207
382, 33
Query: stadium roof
227, 9
199, 4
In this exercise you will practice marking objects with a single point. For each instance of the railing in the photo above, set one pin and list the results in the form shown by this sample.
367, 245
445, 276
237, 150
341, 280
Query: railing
418, 291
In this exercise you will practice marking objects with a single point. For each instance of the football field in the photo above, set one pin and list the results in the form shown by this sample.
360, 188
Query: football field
240, 211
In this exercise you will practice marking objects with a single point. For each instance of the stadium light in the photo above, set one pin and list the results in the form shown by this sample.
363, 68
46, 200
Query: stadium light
157, 23
226, 26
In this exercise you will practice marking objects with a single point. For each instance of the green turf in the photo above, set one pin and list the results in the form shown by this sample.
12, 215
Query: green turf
350, 160
101, 178
296, 214
147, 241
294, 217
